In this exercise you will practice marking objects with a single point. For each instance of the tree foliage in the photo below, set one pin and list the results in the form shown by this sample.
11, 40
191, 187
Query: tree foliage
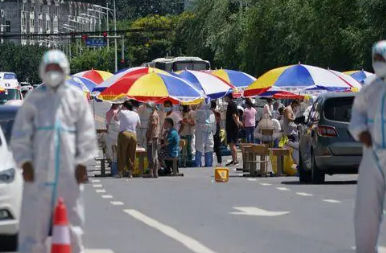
23, 60
259, 35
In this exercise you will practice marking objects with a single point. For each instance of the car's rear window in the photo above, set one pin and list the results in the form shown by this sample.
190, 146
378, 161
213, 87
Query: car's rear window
338, 109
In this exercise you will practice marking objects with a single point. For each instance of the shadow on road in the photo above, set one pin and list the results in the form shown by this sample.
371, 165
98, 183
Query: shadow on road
350, 182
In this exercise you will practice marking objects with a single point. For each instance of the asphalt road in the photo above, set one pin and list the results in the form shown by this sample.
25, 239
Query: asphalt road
196, 214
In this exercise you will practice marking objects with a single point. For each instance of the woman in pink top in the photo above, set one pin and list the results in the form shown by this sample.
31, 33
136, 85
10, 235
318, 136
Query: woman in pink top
249, 120
110, 114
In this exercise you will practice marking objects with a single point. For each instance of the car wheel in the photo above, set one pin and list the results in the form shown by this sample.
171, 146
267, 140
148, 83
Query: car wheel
318, 176
8, 243
304, 175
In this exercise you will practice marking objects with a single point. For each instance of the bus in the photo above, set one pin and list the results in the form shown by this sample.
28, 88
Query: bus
179, 63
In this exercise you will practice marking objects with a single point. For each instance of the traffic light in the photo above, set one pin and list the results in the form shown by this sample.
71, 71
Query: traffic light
84, 38
105, 37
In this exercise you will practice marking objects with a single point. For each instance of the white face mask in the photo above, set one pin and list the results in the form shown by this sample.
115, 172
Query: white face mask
380, 68
53, 78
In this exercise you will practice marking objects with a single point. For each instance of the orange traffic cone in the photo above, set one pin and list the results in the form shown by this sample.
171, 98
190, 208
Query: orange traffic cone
61, 242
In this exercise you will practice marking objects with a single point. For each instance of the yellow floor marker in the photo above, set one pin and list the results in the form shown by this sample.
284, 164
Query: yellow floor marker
221, 175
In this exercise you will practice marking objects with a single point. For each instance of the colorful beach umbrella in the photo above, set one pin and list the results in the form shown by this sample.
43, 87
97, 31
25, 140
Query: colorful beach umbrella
97, 76
355, 86
156, 87
298, 77
86, 85
122, 74
359, 75
238, 79
212, 86
278, 93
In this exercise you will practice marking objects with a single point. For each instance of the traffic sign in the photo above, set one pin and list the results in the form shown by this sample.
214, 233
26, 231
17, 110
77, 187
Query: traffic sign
96, 42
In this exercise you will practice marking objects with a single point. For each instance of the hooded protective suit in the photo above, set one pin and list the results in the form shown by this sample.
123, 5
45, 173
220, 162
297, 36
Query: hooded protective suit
369, 114
205, 129
54, 130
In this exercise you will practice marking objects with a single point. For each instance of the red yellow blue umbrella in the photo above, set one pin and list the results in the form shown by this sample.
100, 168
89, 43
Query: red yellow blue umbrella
156, 87
97, 76
238, 79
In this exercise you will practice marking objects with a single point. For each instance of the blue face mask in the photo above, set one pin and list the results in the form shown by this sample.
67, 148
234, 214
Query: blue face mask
149, 110
168, 109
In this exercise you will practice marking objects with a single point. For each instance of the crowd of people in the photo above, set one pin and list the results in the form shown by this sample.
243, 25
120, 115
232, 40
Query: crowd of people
159, 129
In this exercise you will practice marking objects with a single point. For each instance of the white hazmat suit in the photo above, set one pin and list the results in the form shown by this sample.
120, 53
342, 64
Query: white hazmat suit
369, 115
54, 130
205, 129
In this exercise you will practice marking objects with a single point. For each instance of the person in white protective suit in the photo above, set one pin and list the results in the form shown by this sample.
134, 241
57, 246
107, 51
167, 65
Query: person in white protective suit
368, 126
205, 121
53, 137
142, 128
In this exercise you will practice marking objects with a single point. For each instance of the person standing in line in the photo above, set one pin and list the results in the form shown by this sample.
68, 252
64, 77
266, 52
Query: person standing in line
188, 129
127, 139
175, 116
233, 125
206, 127
110, 114
216, 136
152, 135
249, 120
289, 126
268, 108
53, 138
367, 126
142, 128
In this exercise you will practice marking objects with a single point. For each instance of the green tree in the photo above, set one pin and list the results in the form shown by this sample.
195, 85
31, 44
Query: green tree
23, 60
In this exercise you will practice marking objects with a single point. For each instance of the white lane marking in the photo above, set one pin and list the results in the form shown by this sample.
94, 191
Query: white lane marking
117, 203
97, 185
107, 196
265, 184
190, 243
304, 194
254, 211
282, 189
252, 179
100, 191
98, 251
331, 201
95, 181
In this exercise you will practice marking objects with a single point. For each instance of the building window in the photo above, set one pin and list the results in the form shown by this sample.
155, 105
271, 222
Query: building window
7, 26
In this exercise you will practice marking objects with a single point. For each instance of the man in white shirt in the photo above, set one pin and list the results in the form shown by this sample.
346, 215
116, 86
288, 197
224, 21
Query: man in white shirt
127, 138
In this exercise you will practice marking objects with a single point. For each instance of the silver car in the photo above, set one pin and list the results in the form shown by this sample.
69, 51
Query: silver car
326, 146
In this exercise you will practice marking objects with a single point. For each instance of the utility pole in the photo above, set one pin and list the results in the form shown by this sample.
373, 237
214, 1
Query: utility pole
115, 39
107, 24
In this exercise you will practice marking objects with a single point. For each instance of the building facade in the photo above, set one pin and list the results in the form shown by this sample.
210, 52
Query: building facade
41, 22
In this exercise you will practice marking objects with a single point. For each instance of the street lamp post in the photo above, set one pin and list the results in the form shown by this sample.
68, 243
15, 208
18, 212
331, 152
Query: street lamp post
115, 39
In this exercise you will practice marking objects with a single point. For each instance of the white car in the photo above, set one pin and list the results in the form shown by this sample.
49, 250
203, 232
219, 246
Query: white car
11, 185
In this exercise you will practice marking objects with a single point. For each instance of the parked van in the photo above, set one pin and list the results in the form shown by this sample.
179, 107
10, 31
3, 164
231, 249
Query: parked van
11, 87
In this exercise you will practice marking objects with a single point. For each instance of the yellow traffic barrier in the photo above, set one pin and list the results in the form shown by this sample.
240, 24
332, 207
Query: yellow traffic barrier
221, 175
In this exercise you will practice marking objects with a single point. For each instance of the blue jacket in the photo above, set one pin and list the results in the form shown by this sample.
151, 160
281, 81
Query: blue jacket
173, 140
